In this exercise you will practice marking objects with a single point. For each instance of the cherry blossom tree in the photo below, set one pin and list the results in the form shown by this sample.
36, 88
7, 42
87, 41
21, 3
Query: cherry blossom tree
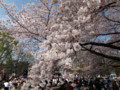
62, 28
108, 13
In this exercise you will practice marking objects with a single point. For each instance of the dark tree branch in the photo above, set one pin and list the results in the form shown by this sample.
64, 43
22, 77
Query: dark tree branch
1, 55
109, 19
44, 4
102, 8
101, 44
114, 33
48, 17
101, 54
117, 41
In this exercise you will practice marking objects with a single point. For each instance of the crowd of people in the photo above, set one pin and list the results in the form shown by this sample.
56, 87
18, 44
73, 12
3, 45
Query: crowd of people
96, 83
59, 83
90, 84
11, 82
79, 83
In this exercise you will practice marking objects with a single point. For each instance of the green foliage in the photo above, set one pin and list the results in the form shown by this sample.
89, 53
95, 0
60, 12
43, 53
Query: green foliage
19, 65
7, 43
15, 66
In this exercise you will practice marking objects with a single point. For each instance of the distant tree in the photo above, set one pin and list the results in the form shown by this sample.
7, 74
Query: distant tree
19, 65
7, 43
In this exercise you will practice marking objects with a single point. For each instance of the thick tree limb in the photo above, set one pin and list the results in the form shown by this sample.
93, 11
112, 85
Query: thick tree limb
117, 41
114, 33
101, 54
101, 44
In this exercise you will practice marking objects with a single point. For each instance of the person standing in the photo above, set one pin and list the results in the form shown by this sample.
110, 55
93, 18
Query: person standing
15, 86
6, 84
69, 87
115, 86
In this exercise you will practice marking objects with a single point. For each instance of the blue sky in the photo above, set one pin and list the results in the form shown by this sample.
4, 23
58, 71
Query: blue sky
18, 3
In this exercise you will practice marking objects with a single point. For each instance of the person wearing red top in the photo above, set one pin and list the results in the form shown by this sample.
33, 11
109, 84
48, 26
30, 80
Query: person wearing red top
69, 87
